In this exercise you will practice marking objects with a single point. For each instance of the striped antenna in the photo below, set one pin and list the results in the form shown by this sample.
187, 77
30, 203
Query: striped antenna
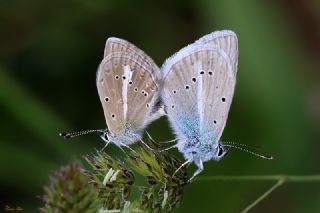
267, 157
79, 133
255, 147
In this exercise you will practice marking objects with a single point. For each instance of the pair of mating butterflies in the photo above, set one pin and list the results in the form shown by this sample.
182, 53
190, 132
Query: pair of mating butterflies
195, 86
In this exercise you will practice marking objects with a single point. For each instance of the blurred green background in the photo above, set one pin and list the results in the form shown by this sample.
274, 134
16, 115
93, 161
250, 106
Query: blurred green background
49, 53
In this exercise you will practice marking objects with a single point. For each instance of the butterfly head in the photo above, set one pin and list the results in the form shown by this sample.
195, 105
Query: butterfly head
200, 151
105, 135
125, 136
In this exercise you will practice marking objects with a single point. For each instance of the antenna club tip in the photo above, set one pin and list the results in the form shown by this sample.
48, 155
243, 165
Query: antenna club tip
269, 157
65, 135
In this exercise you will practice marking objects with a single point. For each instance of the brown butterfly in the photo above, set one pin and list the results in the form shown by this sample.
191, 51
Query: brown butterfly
128, 83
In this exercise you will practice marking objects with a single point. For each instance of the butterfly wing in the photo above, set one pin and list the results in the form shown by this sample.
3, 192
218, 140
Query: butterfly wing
226, 40
128, 84
199, 83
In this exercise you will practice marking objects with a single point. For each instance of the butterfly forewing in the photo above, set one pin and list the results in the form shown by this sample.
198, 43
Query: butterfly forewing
128, 86
199, 83
119, 45
142, 95
225, 40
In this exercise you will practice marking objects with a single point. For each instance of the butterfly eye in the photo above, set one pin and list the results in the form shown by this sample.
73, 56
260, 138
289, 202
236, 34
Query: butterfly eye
220, 151
105, 135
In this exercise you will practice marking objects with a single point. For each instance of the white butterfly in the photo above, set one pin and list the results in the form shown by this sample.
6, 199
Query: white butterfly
199, 83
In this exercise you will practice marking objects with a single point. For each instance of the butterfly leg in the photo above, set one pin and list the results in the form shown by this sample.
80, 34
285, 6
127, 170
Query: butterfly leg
199, 170
120, 147
166, 149
144, 143
107, 143
150, 138
180, 167
128, 147
171, 141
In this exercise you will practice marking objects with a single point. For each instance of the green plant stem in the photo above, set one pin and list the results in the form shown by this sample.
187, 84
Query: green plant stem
263, 196
287, 178
281, 179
